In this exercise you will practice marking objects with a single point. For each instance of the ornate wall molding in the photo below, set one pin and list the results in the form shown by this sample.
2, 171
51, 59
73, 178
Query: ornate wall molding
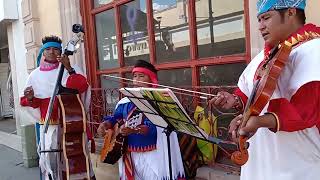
32, 37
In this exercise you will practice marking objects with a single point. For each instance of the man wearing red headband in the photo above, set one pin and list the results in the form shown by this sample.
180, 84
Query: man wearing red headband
147, 148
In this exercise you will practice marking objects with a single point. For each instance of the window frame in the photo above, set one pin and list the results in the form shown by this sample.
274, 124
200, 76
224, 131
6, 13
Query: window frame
88, 13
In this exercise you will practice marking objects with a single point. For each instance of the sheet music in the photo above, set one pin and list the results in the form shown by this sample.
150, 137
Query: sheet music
161, 107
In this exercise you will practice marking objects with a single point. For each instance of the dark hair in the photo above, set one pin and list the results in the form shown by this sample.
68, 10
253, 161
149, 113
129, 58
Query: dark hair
145, 64
51, 39
300, 15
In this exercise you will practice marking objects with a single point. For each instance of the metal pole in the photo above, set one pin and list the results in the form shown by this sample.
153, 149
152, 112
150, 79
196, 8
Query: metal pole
211, 23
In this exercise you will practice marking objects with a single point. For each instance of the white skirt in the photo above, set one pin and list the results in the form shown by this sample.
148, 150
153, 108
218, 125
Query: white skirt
154, 164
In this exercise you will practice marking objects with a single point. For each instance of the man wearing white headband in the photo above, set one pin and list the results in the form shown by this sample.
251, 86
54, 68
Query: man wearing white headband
39, 89
286, 140
147, 145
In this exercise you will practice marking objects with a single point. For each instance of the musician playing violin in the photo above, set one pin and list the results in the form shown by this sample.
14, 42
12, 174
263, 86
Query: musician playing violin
39, 88
285, 140
147, 148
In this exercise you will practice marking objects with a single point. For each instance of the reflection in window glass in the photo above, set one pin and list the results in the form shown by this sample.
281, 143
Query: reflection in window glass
220, 27
171, 30
218, 75
134, 32
128, 76
110, 88
98, 3
106, 40
175, 77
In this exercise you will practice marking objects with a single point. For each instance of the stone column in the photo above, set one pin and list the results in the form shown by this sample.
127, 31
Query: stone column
32, 32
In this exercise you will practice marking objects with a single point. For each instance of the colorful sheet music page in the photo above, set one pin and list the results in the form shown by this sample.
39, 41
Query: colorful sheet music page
162, 107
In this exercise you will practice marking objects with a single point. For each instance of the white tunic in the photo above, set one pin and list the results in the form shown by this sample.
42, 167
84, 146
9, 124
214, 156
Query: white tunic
154, 165
43, 84
285, 155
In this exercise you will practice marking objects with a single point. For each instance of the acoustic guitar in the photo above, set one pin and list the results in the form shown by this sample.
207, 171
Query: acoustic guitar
115, 144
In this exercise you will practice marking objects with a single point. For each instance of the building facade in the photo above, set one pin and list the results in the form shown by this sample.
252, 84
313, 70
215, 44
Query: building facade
195, 44
202, 45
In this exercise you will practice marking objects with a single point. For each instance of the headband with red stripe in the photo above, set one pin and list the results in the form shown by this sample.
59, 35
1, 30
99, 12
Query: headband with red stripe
152, 75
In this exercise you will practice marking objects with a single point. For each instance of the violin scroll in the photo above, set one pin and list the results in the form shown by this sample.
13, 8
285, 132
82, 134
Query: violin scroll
241, 157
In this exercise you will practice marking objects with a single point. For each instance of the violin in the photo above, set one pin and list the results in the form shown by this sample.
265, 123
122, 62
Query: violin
261, 94
73, 120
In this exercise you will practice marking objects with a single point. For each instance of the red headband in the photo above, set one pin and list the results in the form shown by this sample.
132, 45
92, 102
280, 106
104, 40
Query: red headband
151, 74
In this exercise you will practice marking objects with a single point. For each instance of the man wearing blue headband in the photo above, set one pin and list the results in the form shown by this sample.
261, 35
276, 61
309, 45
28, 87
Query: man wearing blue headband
39, 88
284, 138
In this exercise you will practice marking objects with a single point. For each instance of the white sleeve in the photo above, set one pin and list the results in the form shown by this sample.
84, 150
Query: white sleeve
305, 65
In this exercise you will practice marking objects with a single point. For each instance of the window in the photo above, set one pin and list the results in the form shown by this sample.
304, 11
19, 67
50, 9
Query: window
110, 88
218, 75
171, 30
106, 40
197, 45
175, 77
98, 3
134, 32
220, 27
218, 47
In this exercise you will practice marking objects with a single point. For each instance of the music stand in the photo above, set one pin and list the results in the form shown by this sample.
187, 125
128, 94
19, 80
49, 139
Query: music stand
163, 109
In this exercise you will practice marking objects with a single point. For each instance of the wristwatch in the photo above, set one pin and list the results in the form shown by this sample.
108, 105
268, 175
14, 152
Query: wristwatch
72, 71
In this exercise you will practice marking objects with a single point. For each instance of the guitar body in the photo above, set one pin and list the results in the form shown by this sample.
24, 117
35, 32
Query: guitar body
115, 145
74, 139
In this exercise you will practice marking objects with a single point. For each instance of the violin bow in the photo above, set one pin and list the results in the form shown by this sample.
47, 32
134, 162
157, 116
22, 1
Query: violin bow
202, 95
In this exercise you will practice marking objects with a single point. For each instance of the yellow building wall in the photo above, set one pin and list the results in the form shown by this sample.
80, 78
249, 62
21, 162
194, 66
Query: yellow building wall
218, 7
49, 14
170, 17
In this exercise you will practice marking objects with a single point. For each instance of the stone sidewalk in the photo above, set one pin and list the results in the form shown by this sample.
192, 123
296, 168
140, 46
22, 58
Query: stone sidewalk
11, 166
11, 162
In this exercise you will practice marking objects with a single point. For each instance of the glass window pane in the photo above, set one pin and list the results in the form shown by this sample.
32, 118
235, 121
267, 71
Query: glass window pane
134, 32
110, 88
128, 76
175, 77
98, 3
171, 30
218, 75
220, 27
106, 40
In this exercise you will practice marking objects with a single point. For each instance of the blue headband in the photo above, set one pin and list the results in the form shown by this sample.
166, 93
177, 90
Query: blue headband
266, 5
45, 46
